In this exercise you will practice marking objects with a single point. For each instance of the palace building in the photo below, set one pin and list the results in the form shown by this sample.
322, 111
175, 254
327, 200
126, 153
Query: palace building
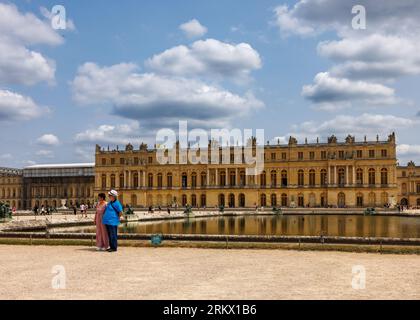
334, 173
344, 174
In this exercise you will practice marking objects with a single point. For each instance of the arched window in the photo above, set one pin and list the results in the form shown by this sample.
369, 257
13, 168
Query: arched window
203, 200
359, 176
122, 184
159, 180
359, 199
263, 200
273, 200
221, 200
372, 199
150, 180
184, 200
135, 180
284, 178
242, 200
263, 179
372, 179
324, 177
194, 180
384, 198
301, 178
231, 200
384, 176
312, 177
341, 176
273, 178
301, 200
193, 200
232, 178
284, 200
242, 178
103, 181
184, 181
222, 178
323, 200
203, 179
169, 180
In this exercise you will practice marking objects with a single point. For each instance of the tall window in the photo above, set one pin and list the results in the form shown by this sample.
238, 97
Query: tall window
150, 180
263, 200
169, 180
122, 184
159, 180
384, 176
284, 200
359, 153
372, 176
284, 178
194, 180
312, 155
263, 179
341, 176
184, 181
112, 181
273, 178
232, 178
273, 200
371, 153
312, 177
300, 155
242, 178
301, 178
323, 155
136, 180
203, 179
223, 178
103, 181
359, 176
324, 180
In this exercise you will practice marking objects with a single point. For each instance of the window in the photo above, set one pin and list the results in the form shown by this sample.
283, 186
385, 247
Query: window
283, 156
150, 159
122, 180
159, 182
341, 176
384, 153
341, 154
184, 181
323, 155
112, 160
232, 178
284, 178
324, 177
194, 180
273, 156
273, 178
232, 158
103, 181
112, 181
372, 176
103, 161
150, 180
300, 155
136, 161
121, 160
371, 153
404, 174
312, 177
300, 178
169, 180
263, 179
359, 176
418, 188
312, 155
359, 154
203, 179
384, 176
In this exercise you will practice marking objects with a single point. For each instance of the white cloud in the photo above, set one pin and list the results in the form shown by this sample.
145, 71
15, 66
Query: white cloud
48, 140
331, 93
109, 134
14, 106
159, 100
288, 24
45, 154
207, 57
19, 64
408, 149
342, 125
193, 29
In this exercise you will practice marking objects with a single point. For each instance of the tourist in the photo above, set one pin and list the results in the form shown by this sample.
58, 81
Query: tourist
102, 240
111, 219
74, 210
42, 210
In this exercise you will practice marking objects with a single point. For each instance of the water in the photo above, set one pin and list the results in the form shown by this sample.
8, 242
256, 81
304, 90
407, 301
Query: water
306, 225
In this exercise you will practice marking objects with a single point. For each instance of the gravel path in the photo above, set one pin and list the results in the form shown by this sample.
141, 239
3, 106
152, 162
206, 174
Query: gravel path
178, 273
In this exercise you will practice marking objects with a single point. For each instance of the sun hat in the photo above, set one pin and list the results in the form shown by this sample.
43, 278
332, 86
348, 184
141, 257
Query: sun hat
113, 193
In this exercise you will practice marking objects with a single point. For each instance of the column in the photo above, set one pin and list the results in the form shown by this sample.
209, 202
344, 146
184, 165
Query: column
207, 178
237, 182
347, 175
139, 178
217, 178
227, 177
335, 175
354, 175
144, 178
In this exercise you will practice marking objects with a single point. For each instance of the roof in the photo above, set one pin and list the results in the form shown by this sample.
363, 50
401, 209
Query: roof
61, 165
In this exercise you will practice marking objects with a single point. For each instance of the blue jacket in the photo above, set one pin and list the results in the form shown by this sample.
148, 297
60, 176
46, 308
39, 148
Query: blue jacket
111, 216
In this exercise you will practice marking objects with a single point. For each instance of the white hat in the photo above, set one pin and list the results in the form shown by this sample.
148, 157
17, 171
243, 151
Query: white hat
113, 193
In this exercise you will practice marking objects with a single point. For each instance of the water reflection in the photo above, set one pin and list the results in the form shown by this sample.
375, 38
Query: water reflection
308, 225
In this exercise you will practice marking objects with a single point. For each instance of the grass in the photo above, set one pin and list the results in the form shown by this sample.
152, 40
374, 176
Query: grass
223, 245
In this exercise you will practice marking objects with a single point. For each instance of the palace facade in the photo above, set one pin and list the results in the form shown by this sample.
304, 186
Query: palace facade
334, 173
344, 174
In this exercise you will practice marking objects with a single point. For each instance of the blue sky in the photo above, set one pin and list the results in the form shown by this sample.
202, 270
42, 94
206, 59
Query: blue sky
297, 69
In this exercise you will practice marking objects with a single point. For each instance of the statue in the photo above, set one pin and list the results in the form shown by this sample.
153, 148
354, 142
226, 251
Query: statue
391, 137
350, 139
143, 147
292, 141
98, 148
332, 139
129, 147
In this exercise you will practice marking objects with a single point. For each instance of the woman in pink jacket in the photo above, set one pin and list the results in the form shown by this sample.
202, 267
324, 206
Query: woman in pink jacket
102, 241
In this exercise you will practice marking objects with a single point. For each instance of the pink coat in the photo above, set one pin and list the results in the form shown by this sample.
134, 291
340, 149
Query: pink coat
102, 240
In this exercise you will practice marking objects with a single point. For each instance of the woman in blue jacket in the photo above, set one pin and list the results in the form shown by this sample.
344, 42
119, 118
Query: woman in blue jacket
111, 219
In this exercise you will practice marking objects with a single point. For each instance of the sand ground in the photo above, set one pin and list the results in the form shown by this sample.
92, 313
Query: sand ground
26, 272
